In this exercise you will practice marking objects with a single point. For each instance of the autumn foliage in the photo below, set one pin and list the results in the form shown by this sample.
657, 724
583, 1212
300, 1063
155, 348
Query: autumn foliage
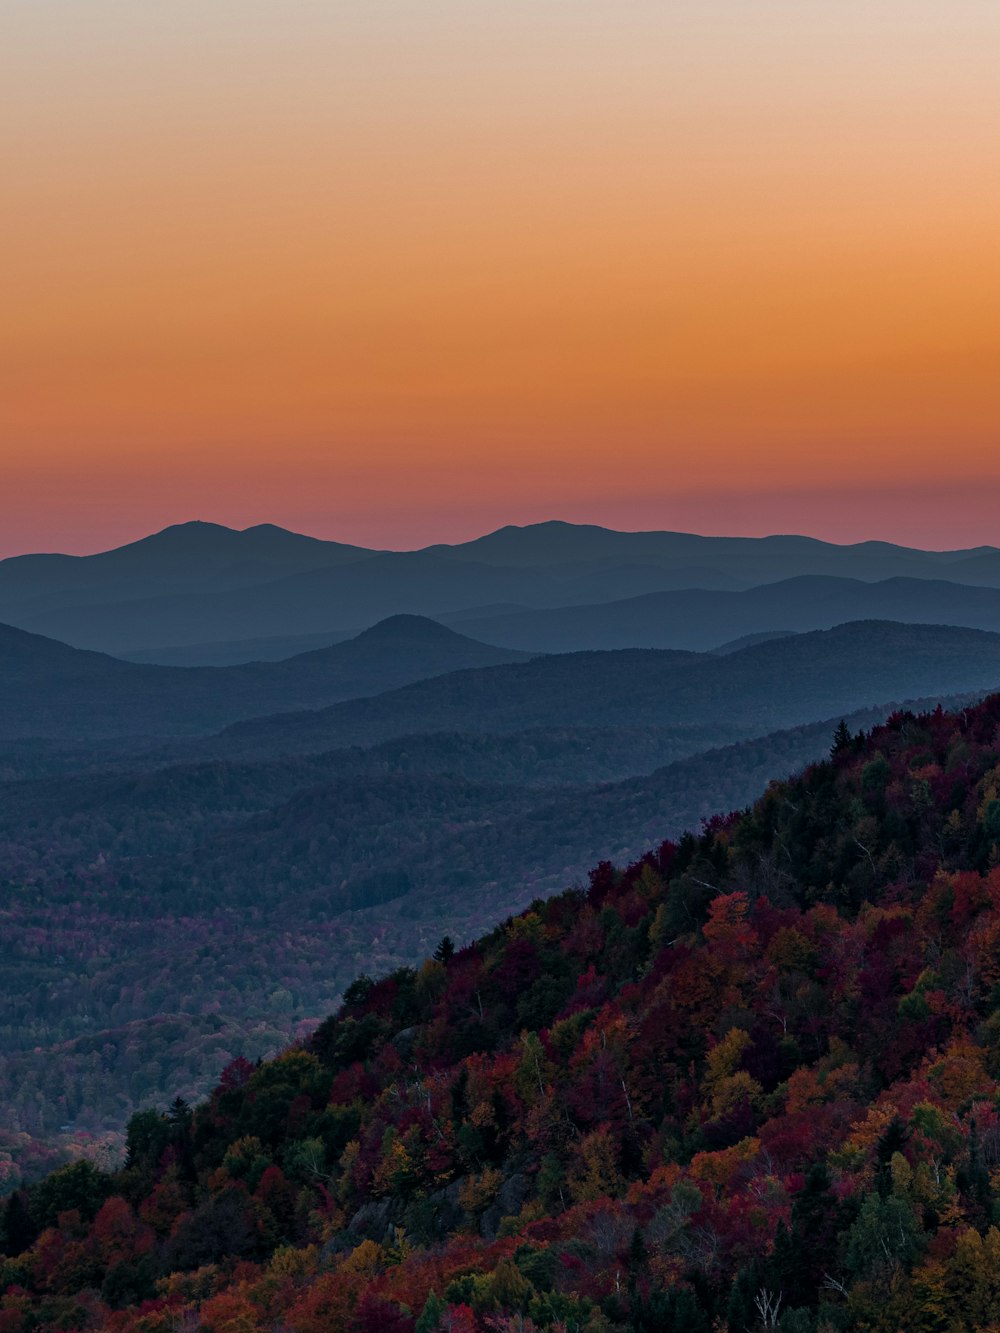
751, 1081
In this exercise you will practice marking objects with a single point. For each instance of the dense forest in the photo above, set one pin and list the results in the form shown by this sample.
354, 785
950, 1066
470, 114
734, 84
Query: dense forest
128, 977
747, 1081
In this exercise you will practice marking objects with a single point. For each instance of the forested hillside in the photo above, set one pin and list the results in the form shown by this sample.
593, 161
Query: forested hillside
748, 1081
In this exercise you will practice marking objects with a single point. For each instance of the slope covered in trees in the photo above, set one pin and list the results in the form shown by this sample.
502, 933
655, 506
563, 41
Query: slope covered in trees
749, 1081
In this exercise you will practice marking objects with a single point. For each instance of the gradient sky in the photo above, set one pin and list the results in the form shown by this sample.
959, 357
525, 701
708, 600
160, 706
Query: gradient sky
397, 271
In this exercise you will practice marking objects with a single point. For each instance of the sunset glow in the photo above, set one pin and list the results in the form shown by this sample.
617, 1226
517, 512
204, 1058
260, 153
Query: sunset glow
396, 272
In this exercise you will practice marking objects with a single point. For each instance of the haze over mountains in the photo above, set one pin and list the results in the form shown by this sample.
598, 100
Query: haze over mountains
203, 586
764, 687
694, 618
51, 690
198, 858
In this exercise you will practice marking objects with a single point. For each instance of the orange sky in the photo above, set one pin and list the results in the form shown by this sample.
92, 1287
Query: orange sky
398, 271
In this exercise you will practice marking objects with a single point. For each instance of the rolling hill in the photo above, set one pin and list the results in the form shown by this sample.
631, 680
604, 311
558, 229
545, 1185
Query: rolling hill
744, 560
702, 620
767, 686
50, 690
443, 848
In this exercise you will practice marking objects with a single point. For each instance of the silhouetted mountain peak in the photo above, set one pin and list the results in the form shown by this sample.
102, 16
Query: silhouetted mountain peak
195, 532
411, 629
200, 537
552, 526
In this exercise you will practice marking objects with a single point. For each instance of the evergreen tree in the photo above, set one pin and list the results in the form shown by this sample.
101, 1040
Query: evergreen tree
975, 1179
842, 740
430, 1318
445, 950
17, 1227
892, 1141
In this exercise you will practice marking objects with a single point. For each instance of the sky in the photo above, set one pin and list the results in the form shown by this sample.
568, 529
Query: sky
401, 271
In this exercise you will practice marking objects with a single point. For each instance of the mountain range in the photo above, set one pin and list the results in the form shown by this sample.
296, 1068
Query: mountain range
410, 674
196, 590
701, 619
777, 683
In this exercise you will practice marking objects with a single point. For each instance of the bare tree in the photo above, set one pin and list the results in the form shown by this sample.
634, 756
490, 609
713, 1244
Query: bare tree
768, 1306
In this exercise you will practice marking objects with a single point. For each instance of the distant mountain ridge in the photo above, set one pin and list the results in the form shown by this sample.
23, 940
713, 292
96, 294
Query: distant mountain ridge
48, 689
702, 620
181, 554
767, 686
203, 584
560, 543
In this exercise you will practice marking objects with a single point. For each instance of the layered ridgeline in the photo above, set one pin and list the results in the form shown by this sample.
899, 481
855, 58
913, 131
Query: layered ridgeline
409, 674
699, 619
749, 1081
51, 691
200, 593
766, 686
213, 898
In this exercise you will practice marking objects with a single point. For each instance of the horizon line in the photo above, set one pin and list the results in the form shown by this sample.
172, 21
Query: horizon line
491, 532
